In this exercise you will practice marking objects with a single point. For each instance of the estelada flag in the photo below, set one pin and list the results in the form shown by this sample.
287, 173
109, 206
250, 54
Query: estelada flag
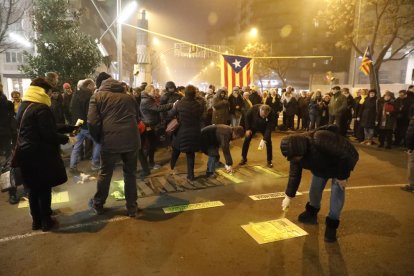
366, 61
236, 71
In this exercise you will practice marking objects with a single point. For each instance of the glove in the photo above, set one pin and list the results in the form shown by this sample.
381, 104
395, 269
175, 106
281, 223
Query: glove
229, 169
261, 145
358, 119
286, 203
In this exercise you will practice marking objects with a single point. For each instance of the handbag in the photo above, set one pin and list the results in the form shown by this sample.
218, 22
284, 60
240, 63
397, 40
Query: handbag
172, 126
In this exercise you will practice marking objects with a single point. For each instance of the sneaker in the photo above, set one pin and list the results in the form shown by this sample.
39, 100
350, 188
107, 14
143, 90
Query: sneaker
75, 171
93, 207
269, 165
408, 188
243, 162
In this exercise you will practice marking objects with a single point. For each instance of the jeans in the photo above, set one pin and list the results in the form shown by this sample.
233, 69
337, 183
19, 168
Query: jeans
246, 145
369, 133
315, 121
190, 162
80, 138
235, 120
109, 159
40, 201
337, 196
211, 164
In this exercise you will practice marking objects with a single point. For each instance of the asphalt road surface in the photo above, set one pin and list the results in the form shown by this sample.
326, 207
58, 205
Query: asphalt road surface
375, 237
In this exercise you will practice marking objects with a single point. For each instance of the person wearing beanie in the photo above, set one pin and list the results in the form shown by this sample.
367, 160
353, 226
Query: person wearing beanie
328, 155
101, 77
386, 119
259, 118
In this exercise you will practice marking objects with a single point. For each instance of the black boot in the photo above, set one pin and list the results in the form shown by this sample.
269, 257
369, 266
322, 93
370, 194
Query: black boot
310, 216
330, 230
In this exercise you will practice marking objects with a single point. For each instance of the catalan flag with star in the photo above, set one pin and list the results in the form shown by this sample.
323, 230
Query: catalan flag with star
366, 62
236, 71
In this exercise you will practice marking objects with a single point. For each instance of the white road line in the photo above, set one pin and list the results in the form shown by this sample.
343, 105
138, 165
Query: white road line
365, 187
71, 227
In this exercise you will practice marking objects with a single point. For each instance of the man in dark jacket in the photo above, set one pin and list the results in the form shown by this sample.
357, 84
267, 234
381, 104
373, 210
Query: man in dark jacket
402, 106
79, 109
112, 120
215, 137
409, 139
255, 97
6, 123
327, 155
171, 95
337, 110
57, 107
259, 118
236, 106
303, 110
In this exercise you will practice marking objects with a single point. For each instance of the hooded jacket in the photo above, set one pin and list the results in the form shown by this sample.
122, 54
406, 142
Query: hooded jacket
150, 110
113, 117
221, 108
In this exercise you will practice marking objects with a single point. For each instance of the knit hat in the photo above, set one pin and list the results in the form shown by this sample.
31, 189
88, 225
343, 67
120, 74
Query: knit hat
66, 85
101, 77
294, 145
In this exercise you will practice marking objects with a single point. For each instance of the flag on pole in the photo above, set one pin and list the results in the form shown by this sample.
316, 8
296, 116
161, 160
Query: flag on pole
236, 71
366, 61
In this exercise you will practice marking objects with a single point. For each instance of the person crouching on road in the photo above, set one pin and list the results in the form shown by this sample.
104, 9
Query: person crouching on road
327, 154
112, 120
259, 118
219, 136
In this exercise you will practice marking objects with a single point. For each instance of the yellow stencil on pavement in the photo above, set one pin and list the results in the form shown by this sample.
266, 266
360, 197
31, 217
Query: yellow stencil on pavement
260, 168
193, 206
59, 197
229, 176
270, 195
273, 230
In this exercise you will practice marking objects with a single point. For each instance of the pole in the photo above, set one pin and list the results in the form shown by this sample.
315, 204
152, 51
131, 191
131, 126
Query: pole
356, 43
119, 39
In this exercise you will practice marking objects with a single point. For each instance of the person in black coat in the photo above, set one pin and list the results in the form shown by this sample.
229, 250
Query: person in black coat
6, 124
255, 97
386, 119
38, 152
187, 137
327, 155
290, 105
349, 107
275, 104
402, 105
367, 116
303, 110
112, 119
260, 118
57, 107
215, 137
236, 106
409, 138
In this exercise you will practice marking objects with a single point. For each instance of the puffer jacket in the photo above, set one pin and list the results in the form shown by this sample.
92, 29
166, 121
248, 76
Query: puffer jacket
328, 155
113, 117
150, 110
221, 109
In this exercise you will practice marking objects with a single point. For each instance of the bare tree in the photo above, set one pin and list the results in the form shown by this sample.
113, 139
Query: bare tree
11, 12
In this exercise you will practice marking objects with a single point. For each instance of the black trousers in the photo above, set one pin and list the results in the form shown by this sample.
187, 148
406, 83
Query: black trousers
150, 139
385, 135
40, 201
290, 119
108, 160
340, 121
190, 162
5, 145
401, 131
246, 145
305, 121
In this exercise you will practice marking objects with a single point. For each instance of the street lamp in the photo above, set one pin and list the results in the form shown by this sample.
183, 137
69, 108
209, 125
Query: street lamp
122, 17
253, 32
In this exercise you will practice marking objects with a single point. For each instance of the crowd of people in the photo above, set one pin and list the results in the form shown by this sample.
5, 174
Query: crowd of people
107, 121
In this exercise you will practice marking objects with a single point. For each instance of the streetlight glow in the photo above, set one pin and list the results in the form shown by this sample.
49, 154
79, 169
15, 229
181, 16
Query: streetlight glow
253, 32
156, 41
20, 39
127, 12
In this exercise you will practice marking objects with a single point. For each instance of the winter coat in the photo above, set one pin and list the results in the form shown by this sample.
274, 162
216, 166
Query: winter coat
187, 137
276, 106
236, 105
150, 110
170, 97
203, 103
368, 112
409, 138
39, 152
315, 108
255, 98
214, 137
291, 107
221, 109
79, 106
6, 117
113, 117
57, 110
328, 155
303, 106
350, 105
67, 98
402, 107
337, 105
386, 114
254, 122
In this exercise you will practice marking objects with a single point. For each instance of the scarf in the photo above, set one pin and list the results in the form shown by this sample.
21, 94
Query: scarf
273, 99
36, 94
363, 97
249, 102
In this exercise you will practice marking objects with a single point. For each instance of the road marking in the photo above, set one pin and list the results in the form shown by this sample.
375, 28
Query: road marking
59, 197
62, 229
268, 171
366, 187
229, 176
192, 206
270, 195
273, 230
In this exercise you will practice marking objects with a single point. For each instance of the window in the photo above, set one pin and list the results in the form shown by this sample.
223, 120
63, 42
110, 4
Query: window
14, 57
